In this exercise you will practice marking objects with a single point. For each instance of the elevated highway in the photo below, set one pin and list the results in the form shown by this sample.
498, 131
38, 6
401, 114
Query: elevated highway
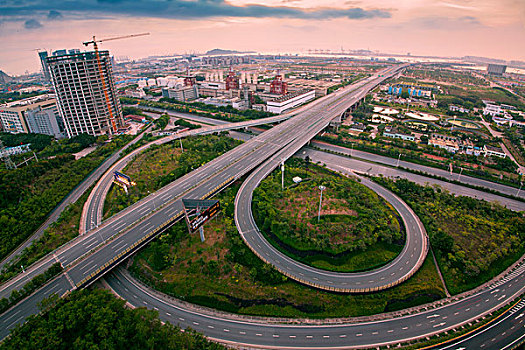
85, 261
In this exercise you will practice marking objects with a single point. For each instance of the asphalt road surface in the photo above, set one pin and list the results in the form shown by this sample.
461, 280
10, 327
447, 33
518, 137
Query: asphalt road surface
338, 162
395, 272
267, 333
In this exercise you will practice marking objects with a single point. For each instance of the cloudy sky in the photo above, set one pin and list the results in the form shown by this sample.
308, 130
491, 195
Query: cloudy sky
492, 28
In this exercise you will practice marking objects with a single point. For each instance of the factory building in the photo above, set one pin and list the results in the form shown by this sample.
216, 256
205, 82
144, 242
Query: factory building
289, 101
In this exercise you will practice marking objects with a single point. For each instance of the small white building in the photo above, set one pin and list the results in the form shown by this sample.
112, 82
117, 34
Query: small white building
494, 151
136, 93
459, 109
492, 110
10, 151
289, 101
185, 93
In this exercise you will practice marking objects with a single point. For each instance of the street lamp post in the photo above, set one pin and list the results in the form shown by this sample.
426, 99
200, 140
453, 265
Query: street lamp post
322, 188
398, 159
519, 189
459, 175
182, 148
282, 174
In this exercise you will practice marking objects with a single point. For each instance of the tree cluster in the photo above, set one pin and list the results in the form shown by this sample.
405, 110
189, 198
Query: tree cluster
97, 320
471, 237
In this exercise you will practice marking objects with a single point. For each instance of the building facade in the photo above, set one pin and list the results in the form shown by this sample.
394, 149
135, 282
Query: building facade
86, 95
494, 151
395, 134
14, 115
45, 120
496, 69
184, 94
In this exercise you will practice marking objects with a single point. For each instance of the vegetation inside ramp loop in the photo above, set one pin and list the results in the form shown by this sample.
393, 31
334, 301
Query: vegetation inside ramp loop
357, 230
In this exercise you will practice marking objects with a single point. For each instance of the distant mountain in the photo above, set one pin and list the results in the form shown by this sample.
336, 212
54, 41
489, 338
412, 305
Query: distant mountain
225, 52
4, 78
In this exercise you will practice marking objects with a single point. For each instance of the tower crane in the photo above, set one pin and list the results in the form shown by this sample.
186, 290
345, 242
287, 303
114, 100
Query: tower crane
95, 46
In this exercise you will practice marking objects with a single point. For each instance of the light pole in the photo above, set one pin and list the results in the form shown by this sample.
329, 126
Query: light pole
182, 148
282, 174
519, 189
398, 159
459, 175
352, 150
322, 188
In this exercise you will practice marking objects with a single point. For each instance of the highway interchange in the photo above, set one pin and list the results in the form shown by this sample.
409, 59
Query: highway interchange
203, 182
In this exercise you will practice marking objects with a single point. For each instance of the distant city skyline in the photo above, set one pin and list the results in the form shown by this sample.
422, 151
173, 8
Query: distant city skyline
458, 28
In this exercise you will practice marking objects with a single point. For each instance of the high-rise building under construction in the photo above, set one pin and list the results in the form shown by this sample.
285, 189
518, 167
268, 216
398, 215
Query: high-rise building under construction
85, 92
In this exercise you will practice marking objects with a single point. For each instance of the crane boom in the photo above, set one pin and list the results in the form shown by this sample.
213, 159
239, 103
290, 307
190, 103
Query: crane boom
94, 41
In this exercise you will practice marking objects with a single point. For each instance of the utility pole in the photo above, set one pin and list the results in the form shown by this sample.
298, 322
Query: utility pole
398, 159
322, 188
519, 189
282, 174
182, 148
450, 167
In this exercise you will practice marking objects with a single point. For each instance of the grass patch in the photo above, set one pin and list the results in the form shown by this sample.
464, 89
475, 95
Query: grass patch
356, 231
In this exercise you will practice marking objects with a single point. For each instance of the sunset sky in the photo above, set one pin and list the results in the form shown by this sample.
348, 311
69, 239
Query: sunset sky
491, 28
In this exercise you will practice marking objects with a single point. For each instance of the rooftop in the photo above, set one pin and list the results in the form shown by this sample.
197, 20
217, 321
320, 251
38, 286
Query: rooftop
290, 95
29, 101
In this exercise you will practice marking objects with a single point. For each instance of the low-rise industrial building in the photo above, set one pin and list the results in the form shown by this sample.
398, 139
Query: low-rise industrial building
459, 109
492, 110
494, 151
289, 101
448, 143
184, 93
395, 134
35, 114
11, 151
358, 127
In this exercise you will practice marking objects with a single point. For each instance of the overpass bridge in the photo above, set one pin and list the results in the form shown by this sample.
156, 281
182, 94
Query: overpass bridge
86, 259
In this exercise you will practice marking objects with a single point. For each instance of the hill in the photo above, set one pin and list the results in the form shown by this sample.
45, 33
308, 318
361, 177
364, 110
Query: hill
4, 78
225, 52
